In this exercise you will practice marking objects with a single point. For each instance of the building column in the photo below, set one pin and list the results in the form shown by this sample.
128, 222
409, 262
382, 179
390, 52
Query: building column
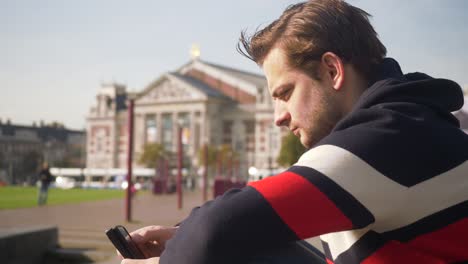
158, 127
175, 125
139, 130
204, 127
193, 121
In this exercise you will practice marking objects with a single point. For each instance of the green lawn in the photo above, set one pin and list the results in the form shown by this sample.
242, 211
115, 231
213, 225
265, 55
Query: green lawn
21, 197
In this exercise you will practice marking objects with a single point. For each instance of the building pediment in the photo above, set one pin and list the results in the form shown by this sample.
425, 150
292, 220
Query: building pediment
170, 89
246, 81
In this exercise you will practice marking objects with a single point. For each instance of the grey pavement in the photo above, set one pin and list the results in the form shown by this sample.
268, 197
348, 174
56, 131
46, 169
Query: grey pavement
82, 225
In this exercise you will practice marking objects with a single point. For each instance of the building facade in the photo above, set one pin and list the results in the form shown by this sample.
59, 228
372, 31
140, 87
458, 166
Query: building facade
214, 104
24, 148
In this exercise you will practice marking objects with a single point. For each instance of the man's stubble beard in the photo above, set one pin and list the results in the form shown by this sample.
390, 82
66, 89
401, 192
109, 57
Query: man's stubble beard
321, 125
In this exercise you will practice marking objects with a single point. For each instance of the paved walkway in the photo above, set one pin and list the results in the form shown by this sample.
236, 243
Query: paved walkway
146, 209
91, 219
83, 225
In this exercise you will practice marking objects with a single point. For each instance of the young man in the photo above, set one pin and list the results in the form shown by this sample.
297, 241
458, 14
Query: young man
45, 178
384, 179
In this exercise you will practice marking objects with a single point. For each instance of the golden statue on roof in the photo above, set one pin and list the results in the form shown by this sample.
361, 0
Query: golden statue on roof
195, 51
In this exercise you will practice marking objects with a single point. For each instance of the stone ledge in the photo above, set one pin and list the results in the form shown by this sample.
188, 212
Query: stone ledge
27, 245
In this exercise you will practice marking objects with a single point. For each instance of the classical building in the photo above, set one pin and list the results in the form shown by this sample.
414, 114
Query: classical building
214, 104
23, 148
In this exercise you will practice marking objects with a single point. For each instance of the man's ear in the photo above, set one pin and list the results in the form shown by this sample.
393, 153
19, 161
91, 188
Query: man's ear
334, 69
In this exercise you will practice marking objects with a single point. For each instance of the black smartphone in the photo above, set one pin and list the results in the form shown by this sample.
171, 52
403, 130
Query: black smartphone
123, 242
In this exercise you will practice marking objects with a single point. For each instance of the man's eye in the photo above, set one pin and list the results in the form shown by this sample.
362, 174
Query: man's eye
285, 95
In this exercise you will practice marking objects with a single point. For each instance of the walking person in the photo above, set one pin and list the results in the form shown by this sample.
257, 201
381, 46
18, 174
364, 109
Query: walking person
45, 178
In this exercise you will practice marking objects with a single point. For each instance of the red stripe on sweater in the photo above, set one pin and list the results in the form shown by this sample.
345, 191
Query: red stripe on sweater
396, 252
449, 243
301, 205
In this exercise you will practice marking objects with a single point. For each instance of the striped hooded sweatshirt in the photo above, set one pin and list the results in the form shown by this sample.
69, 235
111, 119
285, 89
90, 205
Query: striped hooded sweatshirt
389, 184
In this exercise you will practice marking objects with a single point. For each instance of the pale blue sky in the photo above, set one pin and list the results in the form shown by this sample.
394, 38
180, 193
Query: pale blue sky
54, 54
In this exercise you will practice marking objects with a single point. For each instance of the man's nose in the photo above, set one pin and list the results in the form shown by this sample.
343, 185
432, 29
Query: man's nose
282, 116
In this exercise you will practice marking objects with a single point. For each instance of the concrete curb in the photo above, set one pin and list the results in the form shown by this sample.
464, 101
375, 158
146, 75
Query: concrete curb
27, 245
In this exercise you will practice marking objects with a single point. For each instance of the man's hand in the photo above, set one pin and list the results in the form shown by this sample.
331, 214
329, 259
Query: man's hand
151, 240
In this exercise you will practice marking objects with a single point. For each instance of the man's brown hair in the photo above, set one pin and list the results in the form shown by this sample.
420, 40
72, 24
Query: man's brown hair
305, 31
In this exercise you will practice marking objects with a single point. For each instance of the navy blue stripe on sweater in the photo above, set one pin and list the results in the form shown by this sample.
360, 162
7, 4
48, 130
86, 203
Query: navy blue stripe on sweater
348, 205
366, 245
401, 143
430, 223
240, 221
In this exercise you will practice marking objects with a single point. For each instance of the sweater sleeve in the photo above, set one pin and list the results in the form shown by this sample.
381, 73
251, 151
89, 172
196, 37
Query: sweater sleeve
296, 204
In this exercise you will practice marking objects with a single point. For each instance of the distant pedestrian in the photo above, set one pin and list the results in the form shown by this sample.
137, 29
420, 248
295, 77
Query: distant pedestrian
45, 178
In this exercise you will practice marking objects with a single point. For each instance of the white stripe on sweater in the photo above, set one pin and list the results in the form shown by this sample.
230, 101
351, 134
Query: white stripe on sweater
392, 204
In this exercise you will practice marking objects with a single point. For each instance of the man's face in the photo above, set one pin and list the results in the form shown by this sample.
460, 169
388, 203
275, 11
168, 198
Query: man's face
309, 108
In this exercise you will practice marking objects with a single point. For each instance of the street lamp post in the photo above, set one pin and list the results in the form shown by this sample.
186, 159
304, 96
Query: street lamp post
128, 201
179, 166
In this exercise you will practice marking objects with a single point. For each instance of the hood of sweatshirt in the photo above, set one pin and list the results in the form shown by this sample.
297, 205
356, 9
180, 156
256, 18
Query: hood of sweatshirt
402, 123
392, 86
